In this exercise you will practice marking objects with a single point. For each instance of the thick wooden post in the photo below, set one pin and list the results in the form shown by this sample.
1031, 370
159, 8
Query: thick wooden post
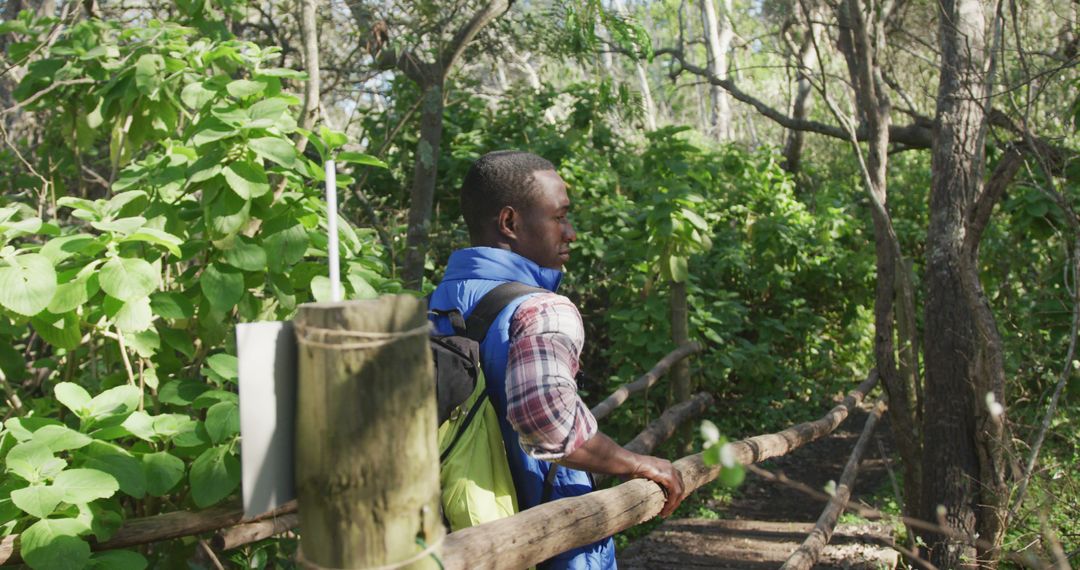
367, 460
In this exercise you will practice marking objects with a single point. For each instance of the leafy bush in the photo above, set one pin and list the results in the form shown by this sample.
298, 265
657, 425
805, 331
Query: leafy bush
119, 297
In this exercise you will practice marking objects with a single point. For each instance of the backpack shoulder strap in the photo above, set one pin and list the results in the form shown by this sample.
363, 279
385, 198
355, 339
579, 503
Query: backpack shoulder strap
491, 304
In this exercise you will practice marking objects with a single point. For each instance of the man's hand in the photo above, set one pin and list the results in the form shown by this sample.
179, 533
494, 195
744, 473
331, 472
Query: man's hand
663, 473
602, 455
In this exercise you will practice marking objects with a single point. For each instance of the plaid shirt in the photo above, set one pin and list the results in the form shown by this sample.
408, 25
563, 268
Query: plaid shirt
546, 336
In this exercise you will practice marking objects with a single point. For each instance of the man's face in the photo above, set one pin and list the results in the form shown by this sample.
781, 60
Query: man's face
544, 231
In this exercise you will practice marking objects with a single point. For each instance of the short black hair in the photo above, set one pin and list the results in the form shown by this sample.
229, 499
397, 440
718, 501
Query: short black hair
498, 179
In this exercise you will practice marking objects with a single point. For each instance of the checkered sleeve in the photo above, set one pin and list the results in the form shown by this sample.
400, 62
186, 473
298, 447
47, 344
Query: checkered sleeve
546, 336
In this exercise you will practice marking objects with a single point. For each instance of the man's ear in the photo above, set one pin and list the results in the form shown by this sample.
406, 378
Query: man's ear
507, 222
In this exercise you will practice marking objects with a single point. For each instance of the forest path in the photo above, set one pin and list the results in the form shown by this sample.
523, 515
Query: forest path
767, 521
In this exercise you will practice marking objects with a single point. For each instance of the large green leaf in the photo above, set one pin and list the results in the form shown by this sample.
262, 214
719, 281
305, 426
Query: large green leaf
61, 438
163, 472
222, 286
84, 485
27, 283
274, 149
71, 295
215, 474
118, 560
60, 248
141, 425
157, 237
360, 158
678, 267
128, 278
134, 316
33, 461
171, 306
225, 365
114, 401
148, 70
222, 421
72, 396
242, 88
118, 462
246, 256
227, 214
246, 179
37, 500
54, 544
61, 331
286, 247
181, 392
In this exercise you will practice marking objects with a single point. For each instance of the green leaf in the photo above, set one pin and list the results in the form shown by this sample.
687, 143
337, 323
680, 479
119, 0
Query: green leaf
320, 289
215, 474
37, 500
246, 256
285, 248
222, 421
246, 179
54, 544
27, 283
242, 88
156, 237
163, 471
274, 149
222, 286
179, 340
226, 365
134, 316
212, 130
128, 278
268, 109
60, 248
141, 425
334, 139
114, 401
195, 95
227, 214
679, 269
61, 331
73, 397
167, 426
123, 226
33, 461
281, 72
732, 476
180, 392
145, 343
360, 158
148, 70
361, 288
60, 438
84, 485
71, 295
118, 560
118, 462
171, 306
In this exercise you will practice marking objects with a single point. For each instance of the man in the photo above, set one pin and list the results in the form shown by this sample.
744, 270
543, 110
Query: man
515, 206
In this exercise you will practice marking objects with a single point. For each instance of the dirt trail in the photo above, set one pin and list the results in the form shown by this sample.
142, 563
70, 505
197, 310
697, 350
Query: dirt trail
767, 521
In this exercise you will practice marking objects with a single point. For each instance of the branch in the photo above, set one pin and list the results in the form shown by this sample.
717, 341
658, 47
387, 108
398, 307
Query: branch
646, 380
55, 85
809, 551
161, 527
246, 533
914, 135
461, 39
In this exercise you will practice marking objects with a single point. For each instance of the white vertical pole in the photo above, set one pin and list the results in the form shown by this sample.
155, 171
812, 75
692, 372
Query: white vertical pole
331, 223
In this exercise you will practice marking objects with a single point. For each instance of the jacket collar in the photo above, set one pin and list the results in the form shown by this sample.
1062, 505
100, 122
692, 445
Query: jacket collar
500, 265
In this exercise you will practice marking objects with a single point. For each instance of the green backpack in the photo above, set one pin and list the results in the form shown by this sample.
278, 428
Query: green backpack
476, 483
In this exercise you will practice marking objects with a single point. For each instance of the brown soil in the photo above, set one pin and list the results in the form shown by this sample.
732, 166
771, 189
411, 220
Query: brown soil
767, 521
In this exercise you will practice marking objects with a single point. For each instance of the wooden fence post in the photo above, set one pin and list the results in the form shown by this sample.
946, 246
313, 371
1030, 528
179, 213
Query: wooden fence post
367, 460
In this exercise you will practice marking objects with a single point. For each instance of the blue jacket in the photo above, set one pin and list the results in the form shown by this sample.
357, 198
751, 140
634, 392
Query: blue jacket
470, 274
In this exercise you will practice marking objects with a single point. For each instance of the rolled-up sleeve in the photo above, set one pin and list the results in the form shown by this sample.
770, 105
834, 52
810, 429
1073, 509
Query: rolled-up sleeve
546, 336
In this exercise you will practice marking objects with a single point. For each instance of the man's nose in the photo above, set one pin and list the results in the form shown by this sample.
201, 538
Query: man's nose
569, 234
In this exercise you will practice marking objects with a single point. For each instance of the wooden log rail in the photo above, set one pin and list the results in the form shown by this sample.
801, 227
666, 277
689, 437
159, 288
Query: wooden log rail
539, 533
645, 381
534, 531
810, 550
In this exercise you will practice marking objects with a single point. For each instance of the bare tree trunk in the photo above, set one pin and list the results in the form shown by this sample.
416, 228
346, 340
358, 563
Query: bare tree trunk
422, 193
861, 39
310, 36
800, 107
964, 438
718, 36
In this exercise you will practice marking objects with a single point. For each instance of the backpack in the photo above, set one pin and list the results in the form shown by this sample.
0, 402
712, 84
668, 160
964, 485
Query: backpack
477, 486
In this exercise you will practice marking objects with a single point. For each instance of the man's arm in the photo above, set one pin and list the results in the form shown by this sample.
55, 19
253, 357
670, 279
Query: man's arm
602, 455
543, 406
